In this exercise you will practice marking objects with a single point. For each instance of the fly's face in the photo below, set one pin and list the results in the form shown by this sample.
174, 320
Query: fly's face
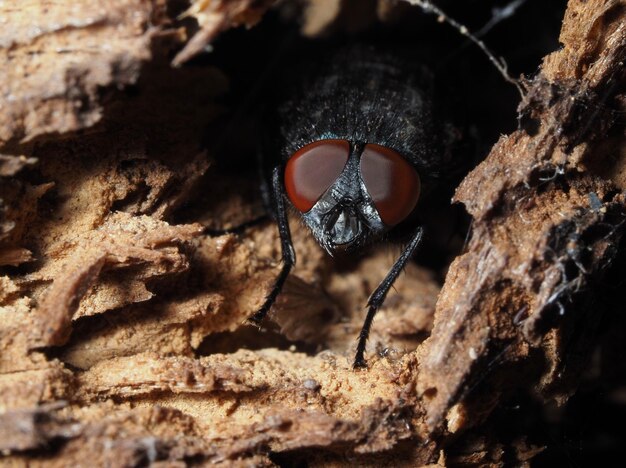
350, 192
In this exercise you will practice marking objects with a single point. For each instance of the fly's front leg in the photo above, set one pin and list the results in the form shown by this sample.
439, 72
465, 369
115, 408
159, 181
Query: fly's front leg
378, 296
288, 253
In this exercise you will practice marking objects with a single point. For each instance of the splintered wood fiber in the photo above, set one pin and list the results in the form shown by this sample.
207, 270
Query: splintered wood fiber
123, 335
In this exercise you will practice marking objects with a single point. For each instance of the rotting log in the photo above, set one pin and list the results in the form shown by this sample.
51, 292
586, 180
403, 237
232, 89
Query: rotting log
122, 339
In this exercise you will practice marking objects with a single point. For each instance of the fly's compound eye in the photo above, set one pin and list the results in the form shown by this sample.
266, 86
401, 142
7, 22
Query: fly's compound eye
391, 181
313, 169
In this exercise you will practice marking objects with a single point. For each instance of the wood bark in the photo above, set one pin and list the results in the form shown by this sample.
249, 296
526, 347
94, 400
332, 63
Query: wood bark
122, 335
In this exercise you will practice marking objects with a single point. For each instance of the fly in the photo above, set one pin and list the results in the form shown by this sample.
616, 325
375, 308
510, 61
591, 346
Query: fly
356, 147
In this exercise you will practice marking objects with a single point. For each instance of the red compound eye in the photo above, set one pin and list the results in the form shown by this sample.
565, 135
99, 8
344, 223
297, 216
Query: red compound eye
391, 181
312, 169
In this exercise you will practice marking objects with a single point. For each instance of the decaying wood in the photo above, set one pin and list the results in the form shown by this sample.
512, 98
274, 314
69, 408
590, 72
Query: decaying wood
122, 335
544, 228
213, 17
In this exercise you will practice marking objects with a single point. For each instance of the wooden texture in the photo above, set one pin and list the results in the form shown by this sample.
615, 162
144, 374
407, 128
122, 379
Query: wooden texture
122, 336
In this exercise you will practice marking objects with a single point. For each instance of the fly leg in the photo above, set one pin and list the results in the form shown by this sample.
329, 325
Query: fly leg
288, 253
378, 296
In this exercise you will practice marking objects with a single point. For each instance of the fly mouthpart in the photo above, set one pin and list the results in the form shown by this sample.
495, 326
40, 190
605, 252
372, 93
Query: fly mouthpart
343, 226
